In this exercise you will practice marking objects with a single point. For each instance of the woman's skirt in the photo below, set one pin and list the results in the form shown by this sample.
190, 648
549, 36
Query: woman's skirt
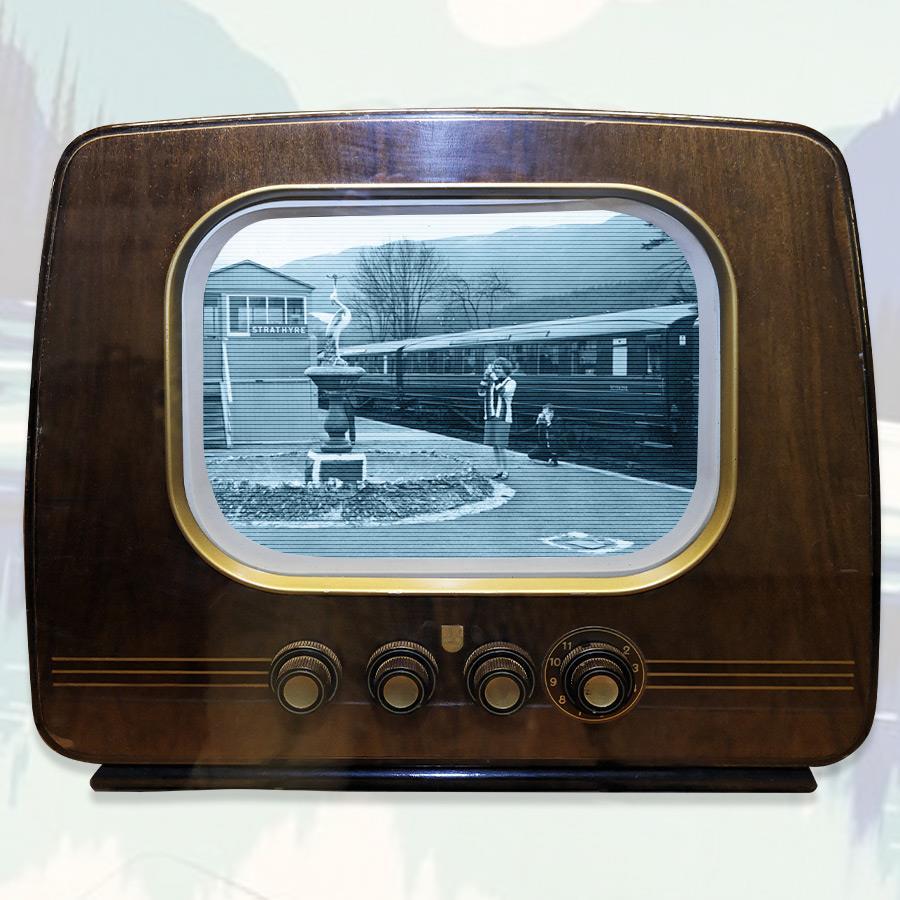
496, 433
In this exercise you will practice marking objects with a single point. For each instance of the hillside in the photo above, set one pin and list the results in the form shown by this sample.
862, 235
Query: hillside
144, 61
552, 272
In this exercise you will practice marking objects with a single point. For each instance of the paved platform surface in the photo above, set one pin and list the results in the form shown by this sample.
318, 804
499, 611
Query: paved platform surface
555, 511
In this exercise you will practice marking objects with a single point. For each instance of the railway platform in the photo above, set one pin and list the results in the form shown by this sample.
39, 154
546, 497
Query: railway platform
541, 510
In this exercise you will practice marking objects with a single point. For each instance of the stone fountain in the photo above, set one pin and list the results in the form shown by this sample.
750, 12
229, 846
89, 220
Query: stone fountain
335, 379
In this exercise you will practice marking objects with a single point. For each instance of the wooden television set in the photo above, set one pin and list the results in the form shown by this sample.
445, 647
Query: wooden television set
730, 650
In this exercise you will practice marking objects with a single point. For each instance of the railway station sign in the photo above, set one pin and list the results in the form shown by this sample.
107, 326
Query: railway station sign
278, 329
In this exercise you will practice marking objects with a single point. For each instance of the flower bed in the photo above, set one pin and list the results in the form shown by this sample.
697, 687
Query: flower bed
363, 503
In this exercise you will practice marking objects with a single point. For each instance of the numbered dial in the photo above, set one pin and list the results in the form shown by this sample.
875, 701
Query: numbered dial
402, 676
594, 674
304, 675
500, 677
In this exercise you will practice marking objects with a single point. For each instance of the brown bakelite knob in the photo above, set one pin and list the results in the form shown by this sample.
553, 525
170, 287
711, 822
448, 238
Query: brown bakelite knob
597, 679
402, 676
304, 676
500, 677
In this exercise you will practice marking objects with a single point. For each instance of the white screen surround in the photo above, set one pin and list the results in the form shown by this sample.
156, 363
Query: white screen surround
214, 524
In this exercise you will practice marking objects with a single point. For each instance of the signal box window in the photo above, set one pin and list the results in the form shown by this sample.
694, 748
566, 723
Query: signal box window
244, 311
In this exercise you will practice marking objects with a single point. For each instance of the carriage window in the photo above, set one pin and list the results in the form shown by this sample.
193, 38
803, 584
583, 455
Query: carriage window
548, 359
620, 356
583, 299
525, 356
654, 355
637, 356
472, 361
585, 358
553, 359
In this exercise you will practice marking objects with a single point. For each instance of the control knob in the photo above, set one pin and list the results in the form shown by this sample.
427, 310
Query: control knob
597, 678
500, 677
304, 675
402, 676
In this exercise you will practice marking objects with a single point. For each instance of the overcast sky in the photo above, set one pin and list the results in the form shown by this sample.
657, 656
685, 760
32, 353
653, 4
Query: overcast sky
825, 63
832, 64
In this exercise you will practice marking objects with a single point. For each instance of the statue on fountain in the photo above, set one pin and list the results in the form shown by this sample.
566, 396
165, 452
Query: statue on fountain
335, 378
337, 324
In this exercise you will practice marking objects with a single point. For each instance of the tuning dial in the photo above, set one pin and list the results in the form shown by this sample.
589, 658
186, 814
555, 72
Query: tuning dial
304, 675
500, 677
596, 678
594, 674
402, 676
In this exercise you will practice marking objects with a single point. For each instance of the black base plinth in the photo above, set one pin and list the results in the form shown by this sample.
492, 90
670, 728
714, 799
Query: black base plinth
425, 778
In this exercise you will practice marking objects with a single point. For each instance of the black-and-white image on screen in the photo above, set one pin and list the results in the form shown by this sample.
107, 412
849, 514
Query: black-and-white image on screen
495, 381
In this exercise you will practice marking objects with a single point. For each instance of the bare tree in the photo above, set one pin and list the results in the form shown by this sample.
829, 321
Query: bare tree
394, 283
674, 272
459, 291
479, 301
491, 289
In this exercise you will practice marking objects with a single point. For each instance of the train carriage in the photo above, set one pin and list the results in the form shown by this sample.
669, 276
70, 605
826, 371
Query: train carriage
628, 377
381, 386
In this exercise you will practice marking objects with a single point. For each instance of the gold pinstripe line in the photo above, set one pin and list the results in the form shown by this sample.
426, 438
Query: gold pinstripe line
751, 675
747, 687
258, 659
158, 672
759, 662
173, 684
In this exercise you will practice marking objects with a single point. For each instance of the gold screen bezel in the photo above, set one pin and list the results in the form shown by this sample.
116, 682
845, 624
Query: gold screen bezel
643, 580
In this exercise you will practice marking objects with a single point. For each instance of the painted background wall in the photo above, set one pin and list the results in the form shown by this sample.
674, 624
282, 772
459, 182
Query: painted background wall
66, 66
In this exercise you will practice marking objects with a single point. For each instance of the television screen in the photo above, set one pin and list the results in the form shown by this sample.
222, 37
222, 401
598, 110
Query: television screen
427, 387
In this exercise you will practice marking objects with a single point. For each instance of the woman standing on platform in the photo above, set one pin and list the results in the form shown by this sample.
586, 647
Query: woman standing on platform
497, 388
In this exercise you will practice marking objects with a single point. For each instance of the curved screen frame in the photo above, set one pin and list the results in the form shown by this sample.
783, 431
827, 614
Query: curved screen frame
250, 563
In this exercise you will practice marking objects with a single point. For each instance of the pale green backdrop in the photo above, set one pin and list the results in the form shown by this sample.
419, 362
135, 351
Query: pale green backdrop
66, 66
